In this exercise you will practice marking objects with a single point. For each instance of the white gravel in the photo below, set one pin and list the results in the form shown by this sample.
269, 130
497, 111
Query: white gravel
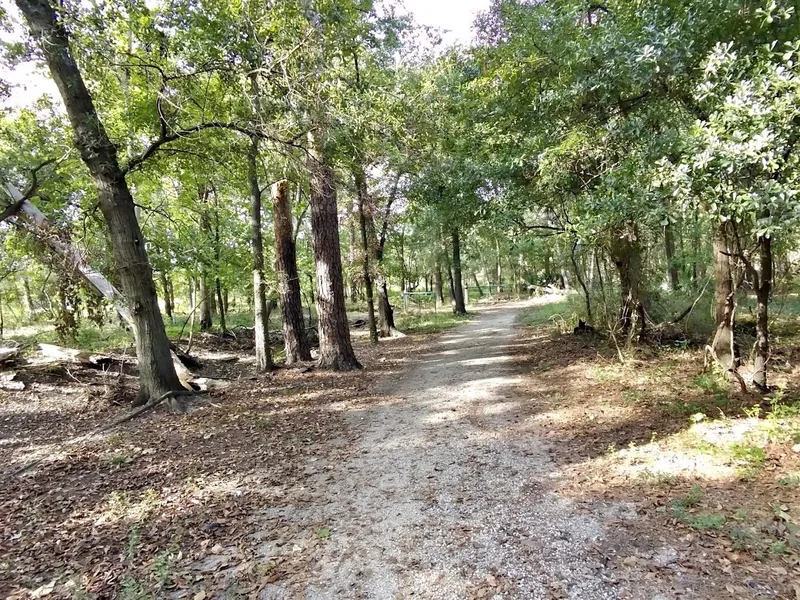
447, 498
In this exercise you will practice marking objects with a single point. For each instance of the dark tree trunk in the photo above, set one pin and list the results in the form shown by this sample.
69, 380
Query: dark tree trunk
294, 331
361, 188
673, 274
206, 300
457, 285
477, 284
165, 285
260, 309
581, 282
763, 288
352, 254
451, 288
335, 347
438, 284
219, 305
385, 310
627, 256
223, 327
156, 371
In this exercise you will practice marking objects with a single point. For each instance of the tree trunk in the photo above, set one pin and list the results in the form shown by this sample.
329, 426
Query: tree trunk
451, 287
294, 331
673, 275
27, 298
499, 281
219, 305
260, 308
477, 284
352, 254
156, 371
361, 188
458, 287
626, 254
385, 310
438, 284
167, 298
763, 291
402, 248
581, 282
335, 347
723, 345
204, 301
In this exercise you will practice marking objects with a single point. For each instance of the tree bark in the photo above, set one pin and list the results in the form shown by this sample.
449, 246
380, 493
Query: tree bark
763, 289
294, 331
723, 345
581, 282
673, 275
458, 287
438, 284
260, 308
156, 371
335, 346
206, 300
477, 284
361, 189
352, 254
165, 285
626, 254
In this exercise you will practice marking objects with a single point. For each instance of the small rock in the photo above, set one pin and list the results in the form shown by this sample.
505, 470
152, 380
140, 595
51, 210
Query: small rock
212, 563
796, 448
665, 556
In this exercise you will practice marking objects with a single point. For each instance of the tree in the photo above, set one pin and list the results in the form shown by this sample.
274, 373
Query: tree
294, 332
156, 371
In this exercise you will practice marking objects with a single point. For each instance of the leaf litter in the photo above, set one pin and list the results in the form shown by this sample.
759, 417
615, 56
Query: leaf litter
452, 467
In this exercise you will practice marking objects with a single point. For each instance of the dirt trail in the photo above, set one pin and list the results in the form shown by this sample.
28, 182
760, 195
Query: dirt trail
445, 497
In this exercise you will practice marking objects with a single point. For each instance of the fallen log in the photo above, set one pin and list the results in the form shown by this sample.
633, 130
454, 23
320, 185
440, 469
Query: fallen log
71, 355
10, 354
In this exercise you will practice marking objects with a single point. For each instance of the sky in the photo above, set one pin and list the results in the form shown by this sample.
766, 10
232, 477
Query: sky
453, 17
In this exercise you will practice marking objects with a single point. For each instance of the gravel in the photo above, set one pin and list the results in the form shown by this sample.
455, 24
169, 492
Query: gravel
446, 497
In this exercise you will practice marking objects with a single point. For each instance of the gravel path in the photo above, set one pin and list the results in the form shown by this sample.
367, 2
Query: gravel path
446, 497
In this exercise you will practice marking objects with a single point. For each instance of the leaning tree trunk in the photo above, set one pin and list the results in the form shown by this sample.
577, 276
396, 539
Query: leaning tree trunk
763, 289
294, 332
457, 285
335, 347
260, 308
156, 371
361, 188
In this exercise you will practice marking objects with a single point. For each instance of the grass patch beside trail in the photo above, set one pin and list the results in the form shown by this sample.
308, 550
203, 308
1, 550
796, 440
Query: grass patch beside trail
564, 311
428, 323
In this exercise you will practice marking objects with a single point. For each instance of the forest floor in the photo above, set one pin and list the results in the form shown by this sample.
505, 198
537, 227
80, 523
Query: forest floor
491, 461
